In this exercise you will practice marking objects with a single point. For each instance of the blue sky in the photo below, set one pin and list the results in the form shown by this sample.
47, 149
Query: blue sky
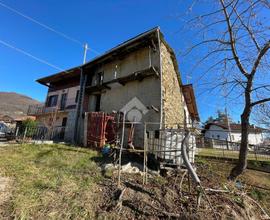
102, 24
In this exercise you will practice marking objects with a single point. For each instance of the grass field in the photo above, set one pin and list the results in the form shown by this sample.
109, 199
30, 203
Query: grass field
50, 181
212, 152
66, 182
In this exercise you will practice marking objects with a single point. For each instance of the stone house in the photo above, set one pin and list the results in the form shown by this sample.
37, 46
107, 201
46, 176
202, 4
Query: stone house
139, 76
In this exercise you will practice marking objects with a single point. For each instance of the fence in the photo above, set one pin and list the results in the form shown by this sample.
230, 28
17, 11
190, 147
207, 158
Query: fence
230, 150
39, 133
43, 109
165, 144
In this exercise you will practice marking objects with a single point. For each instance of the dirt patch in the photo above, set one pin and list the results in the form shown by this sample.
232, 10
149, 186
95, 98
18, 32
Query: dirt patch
5, 194
166, 198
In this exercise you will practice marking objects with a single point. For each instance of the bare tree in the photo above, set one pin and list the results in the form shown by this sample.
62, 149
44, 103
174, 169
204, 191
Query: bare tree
262, 115
233, 41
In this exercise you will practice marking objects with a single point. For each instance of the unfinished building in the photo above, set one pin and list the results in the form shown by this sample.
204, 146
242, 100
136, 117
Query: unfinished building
139, 77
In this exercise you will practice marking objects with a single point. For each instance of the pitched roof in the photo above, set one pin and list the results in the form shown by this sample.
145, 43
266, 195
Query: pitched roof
189, 96
6, 118
110, 54
234, 127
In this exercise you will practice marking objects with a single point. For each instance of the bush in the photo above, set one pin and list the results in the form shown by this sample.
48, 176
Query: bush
30, 125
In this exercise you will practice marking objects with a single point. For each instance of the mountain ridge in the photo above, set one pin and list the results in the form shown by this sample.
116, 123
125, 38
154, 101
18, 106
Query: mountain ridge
15, 104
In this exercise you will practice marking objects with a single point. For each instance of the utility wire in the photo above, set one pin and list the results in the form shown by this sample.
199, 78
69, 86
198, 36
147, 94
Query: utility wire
47, 27
30, 55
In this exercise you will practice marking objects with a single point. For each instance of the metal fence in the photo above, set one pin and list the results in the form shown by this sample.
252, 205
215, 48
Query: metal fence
230, 150
23, 133
165, 144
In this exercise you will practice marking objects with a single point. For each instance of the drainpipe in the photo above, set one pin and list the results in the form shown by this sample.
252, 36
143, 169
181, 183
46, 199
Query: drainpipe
79, 108
160, 73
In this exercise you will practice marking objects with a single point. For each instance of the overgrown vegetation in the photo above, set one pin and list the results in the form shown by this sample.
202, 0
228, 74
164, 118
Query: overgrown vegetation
29, 125
65, 182
52, 181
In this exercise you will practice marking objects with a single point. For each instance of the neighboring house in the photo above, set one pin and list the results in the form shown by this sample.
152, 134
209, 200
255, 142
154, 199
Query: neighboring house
139, 76
7, 123
6, 119
219, 131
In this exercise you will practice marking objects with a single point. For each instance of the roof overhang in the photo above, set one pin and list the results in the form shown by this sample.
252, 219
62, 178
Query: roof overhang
68, 74
122, 48
189, 96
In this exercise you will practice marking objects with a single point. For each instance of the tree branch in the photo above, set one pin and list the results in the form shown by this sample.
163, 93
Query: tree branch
259, 102
252, 36
260, 56
232, 40
205, 42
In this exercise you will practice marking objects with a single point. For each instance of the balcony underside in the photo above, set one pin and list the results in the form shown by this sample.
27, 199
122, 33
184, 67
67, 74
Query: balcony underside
136, 76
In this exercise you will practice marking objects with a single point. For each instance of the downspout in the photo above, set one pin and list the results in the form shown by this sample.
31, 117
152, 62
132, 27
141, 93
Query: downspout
78, 109
160, 70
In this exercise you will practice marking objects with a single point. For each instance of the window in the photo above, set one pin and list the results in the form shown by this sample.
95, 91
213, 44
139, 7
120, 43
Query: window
77, 96
97, 107
52, 100
218, 136
64, 122
99, 78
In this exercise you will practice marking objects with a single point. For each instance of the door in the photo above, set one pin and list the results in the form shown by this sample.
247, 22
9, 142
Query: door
62, 129
64, 122
63, 101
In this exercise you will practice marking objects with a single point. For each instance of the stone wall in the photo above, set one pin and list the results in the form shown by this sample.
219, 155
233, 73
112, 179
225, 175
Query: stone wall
172, 99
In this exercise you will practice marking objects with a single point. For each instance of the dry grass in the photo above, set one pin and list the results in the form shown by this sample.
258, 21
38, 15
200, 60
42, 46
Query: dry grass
255, 183
65, 182
230, 154
50, 181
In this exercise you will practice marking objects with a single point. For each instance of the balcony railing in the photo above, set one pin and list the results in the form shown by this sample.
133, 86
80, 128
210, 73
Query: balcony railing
34, 110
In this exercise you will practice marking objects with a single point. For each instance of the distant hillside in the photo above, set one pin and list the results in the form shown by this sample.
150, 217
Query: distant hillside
14, 104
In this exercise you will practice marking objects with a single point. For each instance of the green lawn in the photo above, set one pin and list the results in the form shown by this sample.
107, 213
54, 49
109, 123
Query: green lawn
211, 152
50, 181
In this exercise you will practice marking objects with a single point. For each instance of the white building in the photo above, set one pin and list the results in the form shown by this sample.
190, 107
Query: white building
218, 131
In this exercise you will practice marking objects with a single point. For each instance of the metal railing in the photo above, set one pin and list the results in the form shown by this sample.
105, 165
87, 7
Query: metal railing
40, 133
34, 110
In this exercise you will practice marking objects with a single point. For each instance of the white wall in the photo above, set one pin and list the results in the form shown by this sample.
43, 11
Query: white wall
253, 138
217, 132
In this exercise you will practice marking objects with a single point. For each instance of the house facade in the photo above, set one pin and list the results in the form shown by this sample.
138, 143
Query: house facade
218, 131
139, 76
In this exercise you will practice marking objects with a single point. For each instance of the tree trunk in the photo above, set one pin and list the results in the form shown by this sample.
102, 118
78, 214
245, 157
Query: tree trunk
242, 161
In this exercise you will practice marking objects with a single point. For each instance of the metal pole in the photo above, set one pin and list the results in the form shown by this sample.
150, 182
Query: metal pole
85, 52
144, 156
121, 148
229, 126
24, 135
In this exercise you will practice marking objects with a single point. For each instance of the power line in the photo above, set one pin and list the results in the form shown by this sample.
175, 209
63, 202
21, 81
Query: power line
47, 27
30, 55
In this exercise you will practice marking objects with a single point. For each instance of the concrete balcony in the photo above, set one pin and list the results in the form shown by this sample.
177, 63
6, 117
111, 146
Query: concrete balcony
35, 110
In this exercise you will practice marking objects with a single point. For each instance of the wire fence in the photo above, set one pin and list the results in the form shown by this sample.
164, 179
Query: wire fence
230, 150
